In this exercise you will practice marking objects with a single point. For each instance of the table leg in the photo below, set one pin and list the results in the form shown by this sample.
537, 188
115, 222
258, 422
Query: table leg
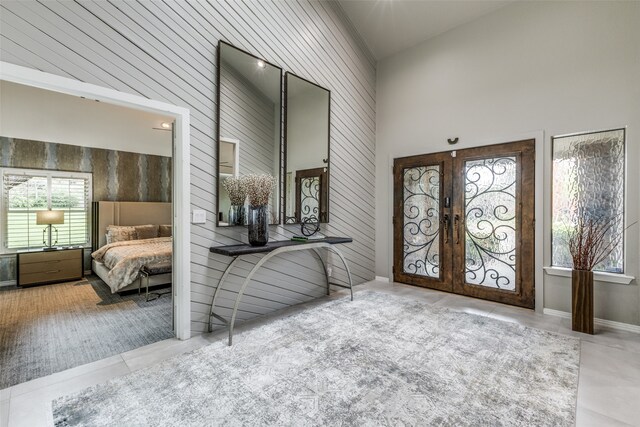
219, 287
324, 267
346, 266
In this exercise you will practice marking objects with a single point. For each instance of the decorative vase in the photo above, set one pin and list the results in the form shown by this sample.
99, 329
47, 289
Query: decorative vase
258, 224
236, 215
582, 301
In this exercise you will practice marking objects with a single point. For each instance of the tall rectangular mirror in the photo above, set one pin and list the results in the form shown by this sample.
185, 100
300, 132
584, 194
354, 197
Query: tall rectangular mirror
249, 126
307, 111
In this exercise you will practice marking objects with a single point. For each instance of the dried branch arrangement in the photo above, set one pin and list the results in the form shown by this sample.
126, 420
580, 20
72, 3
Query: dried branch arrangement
237, 189
259, 188
592, 240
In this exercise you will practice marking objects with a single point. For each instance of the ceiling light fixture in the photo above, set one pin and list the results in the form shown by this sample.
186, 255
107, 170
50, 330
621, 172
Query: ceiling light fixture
261, 63
165, 125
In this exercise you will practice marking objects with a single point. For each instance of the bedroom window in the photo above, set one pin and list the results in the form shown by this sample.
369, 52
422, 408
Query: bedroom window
588, 183
24, 192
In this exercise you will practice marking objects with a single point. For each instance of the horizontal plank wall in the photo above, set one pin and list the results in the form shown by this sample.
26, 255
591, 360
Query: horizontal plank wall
165, 50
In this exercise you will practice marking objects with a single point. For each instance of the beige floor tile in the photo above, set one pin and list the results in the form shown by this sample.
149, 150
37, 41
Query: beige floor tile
588, 418
159, 351
4, 413
610, 362
609, 395
34, 408
39, 383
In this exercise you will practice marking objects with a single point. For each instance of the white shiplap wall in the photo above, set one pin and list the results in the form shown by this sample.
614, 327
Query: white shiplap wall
165, 50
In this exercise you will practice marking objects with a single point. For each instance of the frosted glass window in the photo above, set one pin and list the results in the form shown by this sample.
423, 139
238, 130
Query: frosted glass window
588, 181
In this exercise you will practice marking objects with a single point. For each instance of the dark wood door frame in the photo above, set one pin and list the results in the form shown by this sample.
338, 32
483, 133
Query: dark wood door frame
524, 152
452, 254
444, 282
322, 175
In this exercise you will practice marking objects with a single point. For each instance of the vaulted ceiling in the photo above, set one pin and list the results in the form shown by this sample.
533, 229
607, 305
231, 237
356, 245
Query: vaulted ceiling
390, 26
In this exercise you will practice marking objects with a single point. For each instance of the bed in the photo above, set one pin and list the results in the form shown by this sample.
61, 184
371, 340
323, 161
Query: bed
132, 244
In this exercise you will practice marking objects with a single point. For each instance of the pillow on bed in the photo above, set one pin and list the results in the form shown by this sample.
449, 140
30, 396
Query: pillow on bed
120, 233
164, 231
146, 231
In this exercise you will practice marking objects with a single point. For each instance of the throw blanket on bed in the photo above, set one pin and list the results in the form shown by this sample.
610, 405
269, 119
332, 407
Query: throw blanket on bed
125, 259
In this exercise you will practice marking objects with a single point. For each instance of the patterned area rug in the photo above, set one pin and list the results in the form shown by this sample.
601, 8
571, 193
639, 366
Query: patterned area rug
379, 360
50, 328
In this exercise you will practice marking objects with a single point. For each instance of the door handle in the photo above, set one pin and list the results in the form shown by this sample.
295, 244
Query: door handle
456, 227
445, 225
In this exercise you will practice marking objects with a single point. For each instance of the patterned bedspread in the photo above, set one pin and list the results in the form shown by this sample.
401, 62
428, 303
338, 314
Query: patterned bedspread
125, 259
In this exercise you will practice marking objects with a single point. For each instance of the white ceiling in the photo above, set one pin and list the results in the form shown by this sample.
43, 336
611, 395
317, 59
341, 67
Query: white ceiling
28, 112
390, 26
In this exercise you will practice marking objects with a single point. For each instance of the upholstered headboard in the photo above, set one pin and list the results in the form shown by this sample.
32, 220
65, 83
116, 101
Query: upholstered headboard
126, 213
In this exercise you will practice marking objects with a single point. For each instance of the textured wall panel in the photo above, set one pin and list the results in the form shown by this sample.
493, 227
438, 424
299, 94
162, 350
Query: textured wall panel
165, 50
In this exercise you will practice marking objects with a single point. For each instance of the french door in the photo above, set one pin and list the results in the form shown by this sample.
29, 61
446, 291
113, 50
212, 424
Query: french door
464, 222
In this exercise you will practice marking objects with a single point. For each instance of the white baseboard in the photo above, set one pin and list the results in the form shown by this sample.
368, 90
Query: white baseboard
382, 279
619, 326
8, 283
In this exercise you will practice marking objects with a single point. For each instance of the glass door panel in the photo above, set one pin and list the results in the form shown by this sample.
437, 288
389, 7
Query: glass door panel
421, 221
422, 253
490, 226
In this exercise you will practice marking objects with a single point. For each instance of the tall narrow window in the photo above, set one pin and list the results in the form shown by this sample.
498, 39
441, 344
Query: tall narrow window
588, 183
24, 192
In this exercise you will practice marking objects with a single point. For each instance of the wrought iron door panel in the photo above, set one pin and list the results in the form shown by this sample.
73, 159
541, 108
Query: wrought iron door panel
490, 226
421, 221
310, 198
464, 223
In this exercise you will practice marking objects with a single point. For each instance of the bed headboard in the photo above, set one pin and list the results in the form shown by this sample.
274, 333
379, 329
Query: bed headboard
126, 213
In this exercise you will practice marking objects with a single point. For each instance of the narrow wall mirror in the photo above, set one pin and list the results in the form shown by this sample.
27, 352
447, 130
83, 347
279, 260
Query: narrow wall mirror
249, 126
307, 111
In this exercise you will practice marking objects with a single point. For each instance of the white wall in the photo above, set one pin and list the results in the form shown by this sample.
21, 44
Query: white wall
556, 67
31, 113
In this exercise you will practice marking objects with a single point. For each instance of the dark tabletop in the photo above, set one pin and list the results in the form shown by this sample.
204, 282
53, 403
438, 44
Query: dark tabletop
246, 249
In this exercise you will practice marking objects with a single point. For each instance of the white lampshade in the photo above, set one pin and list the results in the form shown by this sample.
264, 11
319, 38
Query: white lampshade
49, 217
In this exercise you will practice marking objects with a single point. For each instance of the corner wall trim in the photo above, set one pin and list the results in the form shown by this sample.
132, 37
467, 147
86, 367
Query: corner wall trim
382, 279
619, 326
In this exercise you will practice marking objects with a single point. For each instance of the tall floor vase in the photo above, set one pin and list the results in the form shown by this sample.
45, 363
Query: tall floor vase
582, 301
258, 225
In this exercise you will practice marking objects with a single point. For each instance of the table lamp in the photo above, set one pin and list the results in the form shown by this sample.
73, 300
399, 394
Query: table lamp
49, 218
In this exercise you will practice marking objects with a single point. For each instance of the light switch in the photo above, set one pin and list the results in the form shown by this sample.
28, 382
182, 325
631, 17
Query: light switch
199, 217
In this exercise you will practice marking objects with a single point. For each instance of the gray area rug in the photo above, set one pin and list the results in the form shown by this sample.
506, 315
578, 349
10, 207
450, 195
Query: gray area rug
380, 360
50, 328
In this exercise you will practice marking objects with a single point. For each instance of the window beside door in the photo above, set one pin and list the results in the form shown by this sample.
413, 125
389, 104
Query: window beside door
588, 181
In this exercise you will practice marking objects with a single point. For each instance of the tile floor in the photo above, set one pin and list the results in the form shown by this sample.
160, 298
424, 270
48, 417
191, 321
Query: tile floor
608, 392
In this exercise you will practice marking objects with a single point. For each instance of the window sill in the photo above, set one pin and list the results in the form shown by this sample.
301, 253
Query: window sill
598, 276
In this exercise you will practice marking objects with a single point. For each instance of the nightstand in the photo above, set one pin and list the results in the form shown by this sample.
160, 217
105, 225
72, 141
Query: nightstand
41, 267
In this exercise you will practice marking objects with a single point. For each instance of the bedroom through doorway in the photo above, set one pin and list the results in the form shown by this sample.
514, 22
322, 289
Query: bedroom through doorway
87, 235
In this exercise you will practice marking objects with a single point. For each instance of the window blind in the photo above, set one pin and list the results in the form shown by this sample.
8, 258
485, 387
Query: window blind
26, 192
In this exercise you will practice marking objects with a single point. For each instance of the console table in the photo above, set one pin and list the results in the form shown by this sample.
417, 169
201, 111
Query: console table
272, 249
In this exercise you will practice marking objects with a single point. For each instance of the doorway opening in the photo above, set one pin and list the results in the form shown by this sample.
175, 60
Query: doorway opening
175, 214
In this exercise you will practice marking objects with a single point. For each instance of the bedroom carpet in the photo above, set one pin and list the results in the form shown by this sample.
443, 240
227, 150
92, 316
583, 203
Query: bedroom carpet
379, 360
50, 328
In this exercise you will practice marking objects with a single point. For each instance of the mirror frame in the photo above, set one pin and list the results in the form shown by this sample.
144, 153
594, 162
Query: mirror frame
218, 105
284, 150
